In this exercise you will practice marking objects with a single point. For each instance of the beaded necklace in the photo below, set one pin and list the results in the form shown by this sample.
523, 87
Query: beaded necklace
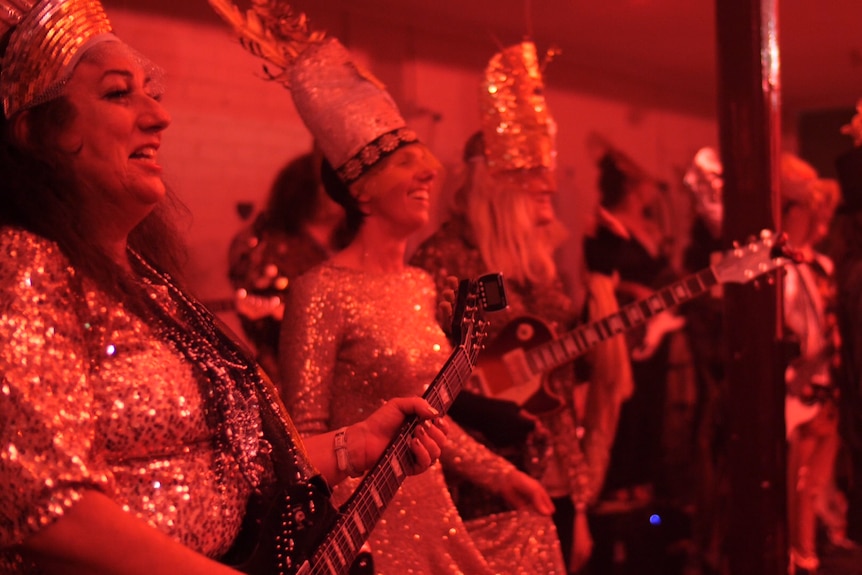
228, 379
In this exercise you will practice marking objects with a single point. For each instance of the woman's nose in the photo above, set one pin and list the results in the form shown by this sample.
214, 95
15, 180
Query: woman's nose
431, 166
155, 116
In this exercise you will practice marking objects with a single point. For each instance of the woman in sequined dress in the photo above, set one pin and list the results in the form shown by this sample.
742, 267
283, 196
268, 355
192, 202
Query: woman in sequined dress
130, 425
365, 325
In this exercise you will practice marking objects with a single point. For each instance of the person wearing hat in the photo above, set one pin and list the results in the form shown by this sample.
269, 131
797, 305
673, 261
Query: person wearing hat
134, 432
504, 219
364, 323
811, 413
704, 327
846, 252
631, 246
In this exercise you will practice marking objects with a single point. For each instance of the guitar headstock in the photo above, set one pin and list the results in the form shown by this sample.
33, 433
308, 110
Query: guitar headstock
473, 299
744, 263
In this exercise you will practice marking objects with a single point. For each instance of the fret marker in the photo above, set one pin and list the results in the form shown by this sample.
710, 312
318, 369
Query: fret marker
396, 467
376, 496
591, 336
359, 524
616, 324
338, 552
345, 534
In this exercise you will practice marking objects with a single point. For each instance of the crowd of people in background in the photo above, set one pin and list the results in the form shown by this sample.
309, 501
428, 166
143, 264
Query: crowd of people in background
138, 436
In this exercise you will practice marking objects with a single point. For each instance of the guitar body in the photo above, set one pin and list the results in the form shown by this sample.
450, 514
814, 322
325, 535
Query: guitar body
290, 526
515, 365
503, 369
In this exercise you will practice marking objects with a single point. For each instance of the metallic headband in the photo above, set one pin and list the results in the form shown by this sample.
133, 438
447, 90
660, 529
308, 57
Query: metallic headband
47, 40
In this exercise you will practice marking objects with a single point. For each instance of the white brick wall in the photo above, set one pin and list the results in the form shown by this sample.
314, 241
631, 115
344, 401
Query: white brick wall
232, 131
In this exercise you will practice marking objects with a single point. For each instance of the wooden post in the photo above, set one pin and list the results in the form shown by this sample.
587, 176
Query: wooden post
749, 134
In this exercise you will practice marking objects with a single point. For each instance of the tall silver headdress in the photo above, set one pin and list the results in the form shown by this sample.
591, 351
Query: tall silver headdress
47, 39
347, 110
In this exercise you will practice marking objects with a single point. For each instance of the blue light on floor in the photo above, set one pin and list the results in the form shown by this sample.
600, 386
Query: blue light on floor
655, 519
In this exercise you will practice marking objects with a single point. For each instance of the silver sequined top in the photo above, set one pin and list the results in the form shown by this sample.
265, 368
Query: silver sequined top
91, 399
352, 340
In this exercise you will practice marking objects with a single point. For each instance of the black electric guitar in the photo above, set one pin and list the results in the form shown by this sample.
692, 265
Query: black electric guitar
302, 533
516, 363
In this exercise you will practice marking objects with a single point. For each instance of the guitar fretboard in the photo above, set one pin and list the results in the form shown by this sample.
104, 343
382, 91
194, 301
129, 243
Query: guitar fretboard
566, 348
360, 513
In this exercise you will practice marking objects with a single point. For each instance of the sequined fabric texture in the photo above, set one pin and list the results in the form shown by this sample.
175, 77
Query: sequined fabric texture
344, 107
92, 399
350, 341
520, 132
43, 47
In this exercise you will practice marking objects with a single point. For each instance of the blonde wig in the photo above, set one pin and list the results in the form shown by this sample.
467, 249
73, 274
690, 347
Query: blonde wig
500, 209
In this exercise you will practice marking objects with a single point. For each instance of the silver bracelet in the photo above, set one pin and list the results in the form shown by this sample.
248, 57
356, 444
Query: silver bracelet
342, 456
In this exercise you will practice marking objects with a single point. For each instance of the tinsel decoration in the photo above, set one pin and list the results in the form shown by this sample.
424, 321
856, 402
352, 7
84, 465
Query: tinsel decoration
270, 30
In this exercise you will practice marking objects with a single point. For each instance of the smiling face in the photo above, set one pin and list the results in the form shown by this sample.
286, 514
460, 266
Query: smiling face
398, 190
111, 146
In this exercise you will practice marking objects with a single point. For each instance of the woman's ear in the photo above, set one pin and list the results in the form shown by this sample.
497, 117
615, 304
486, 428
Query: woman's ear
21, 129
359, 190
22, 132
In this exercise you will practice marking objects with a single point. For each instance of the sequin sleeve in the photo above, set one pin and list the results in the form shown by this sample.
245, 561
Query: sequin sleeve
308, 351
472, 460
46, 402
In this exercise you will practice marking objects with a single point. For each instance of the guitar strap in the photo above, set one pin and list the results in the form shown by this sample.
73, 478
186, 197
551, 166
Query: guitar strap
288, 451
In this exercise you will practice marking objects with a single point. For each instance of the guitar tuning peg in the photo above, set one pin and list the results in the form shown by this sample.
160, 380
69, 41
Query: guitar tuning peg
756, 284
735, 245
770, 280
765, 234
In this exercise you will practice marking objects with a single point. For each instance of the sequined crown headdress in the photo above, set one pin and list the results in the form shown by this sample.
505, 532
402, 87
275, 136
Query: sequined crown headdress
47, 39
519, 131
351, 116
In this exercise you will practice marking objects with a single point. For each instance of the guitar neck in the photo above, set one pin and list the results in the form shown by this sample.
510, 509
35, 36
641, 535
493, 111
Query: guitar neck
565, 349
359, 515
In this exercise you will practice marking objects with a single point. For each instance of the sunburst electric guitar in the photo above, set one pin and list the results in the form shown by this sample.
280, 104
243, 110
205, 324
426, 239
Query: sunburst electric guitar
302, 533
516, 363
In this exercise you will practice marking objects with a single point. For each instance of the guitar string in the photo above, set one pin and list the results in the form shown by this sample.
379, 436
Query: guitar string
400, 448
535, 356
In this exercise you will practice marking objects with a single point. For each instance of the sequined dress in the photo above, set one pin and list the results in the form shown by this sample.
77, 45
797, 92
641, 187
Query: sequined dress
94, 398
352, 340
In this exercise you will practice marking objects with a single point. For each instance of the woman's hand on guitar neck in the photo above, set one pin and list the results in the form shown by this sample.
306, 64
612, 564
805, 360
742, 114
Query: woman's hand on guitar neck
364, 442
374, 434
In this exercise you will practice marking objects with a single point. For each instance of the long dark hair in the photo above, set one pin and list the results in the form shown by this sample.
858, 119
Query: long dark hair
39, 194
293, 195
340, 192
